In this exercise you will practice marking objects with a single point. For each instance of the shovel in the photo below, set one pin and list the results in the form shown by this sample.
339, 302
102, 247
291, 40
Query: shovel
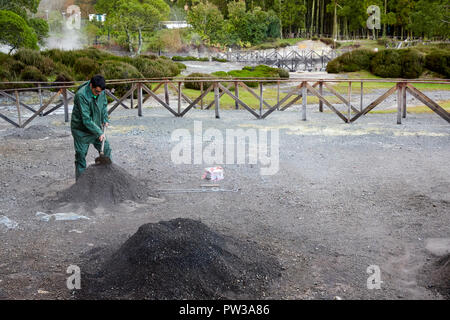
102, 159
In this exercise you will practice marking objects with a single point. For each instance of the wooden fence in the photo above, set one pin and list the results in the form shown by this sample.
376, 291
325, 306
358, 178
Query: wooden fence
144, 89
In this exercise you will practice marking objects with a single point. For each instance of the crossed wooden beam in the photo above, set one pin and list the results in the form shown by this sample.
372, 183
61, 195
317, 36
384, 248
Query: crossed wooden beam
222, 87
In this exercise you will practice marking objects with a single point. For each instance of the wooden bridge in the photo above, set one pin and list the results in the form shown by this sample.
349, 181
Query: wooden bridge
144, 89
306, 60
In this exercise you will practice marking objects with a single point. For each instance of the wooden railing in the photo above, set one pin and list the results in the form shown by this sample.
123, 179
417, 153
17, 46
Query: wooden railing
144, 89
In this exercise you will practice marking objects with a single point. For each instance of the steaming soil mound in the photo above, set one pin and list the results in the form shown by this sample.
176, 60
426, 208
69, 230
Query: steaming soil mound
34, 132
182, 259
105, 185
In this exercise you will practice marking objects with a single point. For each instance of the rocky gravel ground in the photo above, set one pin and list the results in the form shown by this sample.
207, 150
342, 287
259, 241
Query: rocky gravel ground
344, 197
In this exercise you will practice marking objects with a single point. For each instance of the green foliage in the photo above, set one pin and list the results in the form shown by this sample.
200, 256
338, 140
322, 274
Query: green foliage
207, 20
188, 58
219, 59
31, 73
15, 32
439, 61
40, 27
404, 63
196, 85
387, 64
412, 63
351, 61
86, 68
20, 7
260, 71
119, 70
31, 57
131, 16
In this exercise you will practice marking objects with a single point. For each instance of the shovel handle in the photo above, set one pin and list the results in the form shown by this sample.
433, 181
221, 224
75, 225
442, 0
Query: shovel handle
103, 142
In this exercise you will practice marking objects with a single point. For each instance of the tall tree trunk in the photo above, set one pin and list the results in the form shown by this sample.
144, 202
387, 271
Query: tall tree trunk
322, 21
312, 18
139, 42
129, 40
317, 18
335, 24
385, 13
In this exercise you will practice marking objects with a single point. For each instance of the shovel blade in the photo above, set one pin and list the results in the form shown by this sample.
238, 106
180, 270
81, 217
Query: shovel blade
102, 160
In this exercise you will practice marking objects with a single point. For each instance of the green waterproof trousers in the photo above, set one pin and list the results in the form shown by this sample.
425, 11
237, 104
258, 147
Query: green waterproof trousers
81, 150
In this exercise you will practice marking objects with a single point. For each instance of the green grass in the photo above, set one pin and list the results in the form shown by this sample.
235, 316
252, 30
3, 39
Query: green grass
226, 102
416, 109
369, 87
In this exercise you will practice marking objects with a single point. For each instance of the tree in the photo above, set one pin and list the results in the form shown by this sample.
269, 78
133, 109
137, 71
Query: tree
20, 7
131, 16
207, 20
40, 27
428, 19
15, 32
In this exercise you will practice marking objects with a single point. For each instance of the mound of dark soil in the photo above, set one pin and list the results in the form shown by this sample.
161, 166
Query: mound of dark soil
105, 185
182, 259
34, 132
440, 276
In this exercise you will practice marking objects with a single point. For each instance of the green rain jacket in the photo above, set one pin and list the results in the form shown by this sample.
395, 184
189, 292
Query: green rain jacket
88, 114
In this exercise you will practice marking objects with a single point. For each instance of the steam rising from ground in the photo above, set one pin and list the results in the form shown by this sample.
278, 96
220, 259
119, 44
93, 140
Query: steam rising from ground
66, 38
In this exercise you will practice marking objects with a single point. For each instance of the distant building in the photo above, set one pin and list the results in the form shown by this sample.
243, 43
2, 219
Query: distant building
175, 24
97, 17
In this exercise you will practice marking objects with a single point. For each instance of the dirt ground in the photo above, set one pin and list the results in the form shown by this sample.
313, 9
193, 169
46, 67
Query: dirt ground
345, 197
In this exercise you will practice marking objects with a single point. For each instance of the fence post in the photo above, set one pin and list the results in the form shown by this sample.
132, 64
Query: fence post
404, 100
132, 97
201, 93
18, 108
217, 99
362, 96
399, 103
66, 105
179, 97
278, 94
139, 98
236, 92
321, 93
166, 92
349, 102
260, 99
304, 100
40, 99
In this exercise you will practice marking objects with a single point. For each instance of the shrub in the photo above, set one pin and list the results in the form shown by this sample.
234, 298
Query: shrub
220, 74
439, 62
180, 66
195, 85
86, 67
412, 63
188, 58
387, 64
283, 73
330, 42
16, 67
219, 59
31, 73
119, 70
351, 61
5, 75
33, 58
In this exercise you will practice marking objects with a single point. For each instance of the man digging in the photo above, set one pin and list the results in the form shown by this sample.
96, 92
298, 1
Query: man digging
89, 116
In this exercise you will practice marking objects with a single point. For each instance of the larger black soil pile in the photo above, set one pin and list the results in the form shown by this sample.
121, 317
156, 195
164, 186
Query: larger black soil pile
105, 185
182, 259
